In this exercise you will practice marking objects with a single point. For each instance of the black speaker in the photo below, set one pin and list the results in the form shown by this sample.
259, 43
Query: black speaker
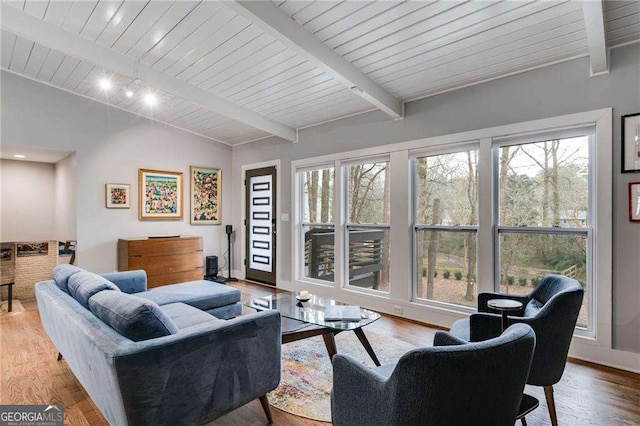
229, 229
211, 266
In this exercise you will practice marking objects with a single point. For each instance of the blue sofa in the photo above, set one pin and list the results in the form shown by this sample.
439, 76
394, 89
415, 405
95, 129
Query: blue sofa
147, 357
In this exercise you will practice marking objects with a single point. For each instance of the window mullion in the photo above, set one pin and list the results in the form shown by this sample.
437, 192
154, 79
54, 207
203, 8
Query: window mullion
486, 217
339, 208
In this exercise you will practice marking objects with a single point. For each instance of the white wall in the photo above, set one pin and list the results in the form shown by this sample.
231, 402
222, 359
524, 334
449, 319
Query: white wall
66, 199
110, 146
28, 201
547, 92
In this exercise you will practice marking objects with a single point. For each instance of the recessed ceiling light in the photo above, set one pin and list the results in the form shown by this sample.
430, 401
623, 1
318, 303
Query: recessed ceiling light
19, 156
105, 84
129, 94
150, 99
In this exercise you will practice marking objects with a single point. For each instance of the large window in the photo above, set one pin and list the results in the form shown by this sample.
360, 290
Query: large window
420, 228
368, 211
318, 231
446, 220
544, 214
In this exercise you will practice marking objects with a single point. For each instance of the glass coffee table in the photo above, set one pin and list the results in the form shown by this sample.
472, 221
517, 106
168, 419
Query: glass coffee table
304, 319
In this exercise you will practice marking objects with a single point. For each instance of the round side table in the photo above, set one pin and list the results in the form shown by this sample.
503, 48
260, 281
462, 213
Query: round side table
504, 306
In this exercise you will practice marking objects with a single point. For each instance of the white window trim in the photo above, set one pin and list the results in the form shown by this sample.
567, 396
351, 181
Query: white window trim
399, 301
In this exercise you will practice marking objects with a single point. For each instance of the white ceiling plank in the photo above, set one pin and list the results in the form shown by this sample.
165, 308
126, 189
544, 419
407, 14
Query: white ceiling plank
387, 16
314, 10
257, 62
57, 12
292, 76
433, 16
48, 35
360, 17
147, 19
229, 37
290, 7
279, 25
8, 42
78, 15
51, 64
36, 60
121, 21
79, 74
596, 37
430, 35
64, 71
630, 8
36, 8
289, 60
446, 78
340, 11
201, 41
249, 50
18, 4
307, 96
496, 47
99, 18
21, 53
623, 22
504, 23
154, 46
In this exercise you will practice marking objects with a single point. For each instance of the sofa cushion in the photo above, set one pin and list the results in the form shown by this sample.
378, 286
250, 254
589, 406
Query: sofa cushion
135, 318
204, 295
185, 316
62, 273
84, 284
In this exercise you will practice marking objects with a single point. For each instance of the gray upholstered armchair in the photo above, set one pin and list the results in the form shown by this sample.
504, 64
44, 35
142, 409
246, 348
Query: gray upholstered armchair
452, 383
552, 311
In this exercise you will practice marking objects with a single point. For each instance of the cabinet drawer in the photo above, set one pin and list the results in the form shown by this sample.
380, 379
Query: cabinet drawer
175, 278
163, 246
157, 265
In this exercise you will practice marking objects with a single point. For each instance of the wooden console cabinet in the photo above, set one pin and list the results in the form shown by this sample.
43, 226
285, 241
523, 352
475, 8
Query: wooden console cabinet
166, 260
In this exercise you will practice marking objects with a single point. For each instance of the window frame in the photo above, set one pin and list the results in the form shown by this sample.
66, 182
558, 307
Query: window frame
562, 133
415, 155
346, 224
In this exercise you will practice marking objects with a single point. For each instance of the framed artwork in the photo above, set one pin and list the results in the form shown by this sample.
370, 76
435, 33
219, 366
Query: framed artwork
32, 249
206, 195
631, 143
634, 201
160, 195
117, 195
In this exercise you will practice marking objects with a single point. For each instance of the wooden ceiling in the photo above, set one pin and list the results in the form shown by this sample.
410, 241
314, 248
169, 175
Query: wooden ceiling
207, 58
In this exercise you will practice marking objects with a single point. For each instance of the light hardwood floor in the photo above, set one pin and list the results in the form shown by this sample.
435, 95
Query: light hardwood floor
29, 374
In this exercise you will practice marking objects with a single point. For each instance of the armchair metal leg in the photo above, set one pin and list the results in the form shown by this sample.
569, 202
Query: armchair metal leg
59, 356
548, 393
523, 421
265, 406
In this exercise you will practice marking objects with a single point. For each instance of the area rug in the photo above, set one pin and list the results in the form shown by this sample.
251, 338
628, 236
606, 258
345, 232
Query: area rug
305, 388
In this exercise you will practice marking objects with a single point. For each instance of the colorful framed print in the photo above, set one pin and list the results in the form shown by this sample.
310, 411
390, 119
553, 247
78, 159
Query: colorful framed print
160, 195
117, 195
634, 201
631, 143
206, 195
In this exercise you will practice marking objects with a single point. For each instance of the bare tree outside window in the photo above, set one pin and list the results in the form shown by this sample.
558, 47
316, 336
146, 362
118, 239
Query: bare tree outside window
543, 185
446, 219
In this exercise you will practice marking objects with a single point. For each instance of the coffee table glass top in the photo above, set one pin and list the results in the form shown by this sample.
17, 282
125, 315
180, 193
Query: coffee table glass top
311, 311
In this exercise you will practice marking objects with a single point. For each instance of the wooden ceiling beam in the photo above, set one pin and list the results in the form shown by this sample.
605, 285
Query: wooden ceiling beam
596, 36
278, 24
